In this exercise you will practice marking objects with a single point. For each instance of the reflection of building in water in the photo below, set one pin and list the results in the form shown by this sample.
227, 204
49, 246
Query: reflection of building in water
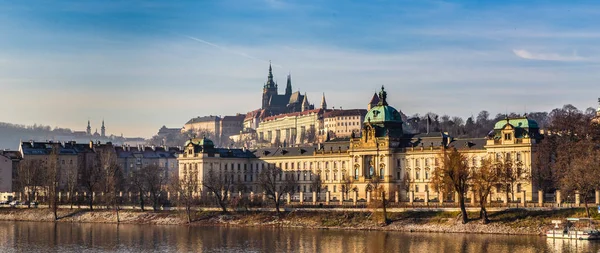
384, 153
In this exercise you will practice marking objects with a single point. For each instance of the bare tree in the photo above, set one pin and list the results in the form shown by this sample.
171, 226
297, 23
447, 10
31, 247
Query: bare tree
454, 174
91, 180
580, 174
483, 180
31, 177
510, 173
71, 176
139, 186
316, 184
375, 185
155, 179
53, 173
186, 188
347, 185
220, 184
275, 188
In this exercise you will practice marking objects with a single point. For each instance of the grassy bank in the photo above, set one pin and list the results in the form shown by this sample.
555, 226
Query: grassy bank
513, 221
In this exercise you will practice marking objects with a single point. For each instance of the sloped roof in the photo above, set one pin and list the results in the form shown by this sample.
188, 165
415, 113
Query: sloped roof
203, 119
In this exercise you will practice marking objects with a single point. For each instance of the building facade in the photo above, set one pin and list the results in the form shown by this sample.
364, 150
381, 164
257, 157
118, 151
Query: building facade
291, 128
403, 162
343, 123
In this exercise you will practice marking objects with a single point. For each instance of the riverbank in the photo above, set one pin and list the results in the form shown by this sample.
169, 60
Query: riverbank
512, 221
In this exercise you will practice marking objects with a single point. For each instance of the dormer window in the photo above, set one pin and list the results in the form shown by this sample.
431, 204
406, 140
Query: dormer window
507, 137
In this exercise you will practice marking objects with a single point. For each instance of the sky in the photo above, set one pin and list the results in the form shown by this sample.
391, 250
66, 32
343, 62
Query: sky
140, 65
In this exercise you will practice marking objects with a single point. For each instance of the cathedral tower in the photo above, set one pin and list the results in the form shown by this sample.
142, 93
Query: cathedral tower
288, 87
269, 89
103, 130
88, 130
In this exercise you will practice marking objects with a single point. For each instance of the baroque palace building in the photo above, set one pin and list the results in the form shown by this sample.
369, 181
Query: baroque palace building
403, 160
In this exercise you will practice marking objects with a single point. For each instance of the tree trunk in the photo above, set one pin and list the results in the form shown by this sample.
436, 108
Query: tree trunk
189, 212
463, 210
587, 209
91, 202
385, 217
141, 196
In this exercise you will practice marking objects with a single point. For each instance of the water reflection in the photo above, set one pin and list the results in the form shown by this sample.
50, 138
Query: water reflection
66, 237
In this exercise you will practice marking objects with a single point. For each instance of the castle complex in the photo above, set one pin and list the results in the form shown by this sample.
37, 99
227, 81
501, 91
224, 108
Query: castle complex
402, 161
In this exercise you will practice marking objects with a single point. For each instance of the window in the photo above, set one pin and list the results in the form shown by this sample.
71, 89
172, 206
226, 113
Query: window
381, 173
398, 175
507, 137
334, 188
426, 161
518, 157
416, 188
356, 173
417, 172
426, 174
417, 162
426, 188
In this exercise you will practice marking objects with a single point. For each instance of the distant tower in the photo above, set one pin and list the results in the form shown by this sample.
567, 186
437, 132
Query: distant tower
323, 103
103, 130
374, 101
269, 89
288, 87
305, 104
89, 129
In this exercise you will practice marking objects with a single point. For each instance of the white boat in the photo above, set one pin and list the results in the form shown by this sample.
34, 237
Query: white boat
569, 232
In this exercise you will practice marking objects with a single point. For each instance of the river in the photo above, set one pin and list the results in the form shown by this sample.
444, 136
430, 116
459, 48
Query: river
92, 237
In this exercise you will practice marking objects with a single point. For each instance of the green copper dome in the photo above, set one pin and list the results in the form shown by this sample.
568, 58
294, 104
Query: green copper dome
205, 142
517, 123
382, 112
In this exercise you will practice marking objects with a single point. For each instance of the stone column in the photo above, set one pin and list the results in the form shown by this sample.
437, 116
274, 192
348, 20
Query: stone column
523, 198
473, 198
341, 198
427, 198
597, 197
577, 198
288, 198
327, 197
540, 198
411, 197
301, 198
355, 199
396, 197
441, 198
314, 199
368, 197
558, 198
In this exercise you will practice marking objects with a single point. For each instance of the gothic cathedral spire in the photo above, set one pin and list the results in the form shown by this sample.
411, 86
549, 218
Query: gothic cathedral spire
323, 103
288, 87
270, 82
305, 104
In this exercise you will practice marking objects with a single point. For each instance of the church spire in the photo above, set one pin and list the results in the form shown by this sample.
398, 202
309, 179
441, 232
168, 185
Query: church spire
89, 128
103, 129
323, 102
270, 82
305, 105
288, 87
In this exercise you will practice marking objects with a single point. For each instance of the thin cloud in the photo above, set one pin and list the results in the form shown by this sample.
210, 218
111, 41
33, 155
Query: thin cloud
522, 53
229, 50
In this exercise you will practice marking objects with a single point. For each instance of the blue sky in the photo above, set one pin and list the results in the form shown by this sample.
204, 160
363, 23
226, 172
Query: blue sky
144, 64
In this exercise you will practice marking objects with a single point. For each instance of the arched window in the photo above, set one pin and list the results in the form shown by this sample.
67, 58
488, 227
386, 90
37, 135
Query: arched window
381, 173
417, 174
356, 173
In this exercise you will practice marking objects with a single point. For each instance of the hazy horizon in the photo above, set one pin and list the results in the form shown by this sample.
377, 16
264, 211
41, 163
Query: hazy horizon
141, 65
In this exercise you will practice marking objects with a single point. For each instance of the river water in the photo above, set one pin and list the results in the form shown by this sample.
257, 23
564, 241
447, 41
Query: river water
76, 237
